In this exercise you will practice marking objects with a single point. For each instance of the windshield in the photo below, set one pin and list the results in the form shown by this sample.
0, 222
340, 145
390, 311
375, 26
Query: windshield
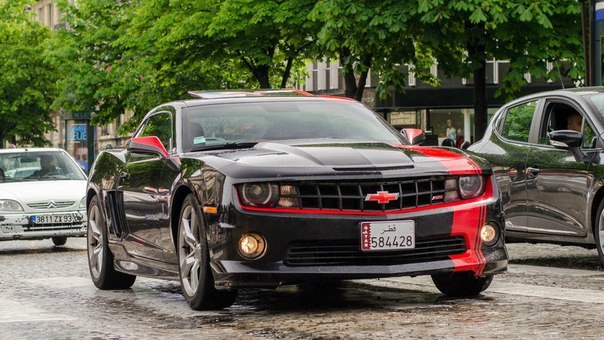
598, 101
242, 124
38, 166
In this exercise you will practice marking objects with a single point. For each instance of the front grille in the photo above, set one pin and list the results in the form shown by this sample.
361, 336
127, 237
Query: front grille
412, 193
334, 253
56, 205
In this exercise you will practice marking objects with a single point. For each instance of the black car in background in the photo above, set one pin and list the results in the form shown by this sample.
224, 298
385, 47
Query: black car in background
546, 151
260, 189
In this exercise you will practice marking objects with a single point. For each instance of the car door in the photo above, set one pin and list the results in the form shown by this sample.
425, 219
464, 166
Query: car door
507, 151
145, 183
557, 182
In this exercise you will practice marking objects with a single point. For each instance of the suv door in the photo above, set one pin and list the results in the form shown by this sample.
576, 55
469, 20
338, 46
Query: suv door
509, 151
557, 183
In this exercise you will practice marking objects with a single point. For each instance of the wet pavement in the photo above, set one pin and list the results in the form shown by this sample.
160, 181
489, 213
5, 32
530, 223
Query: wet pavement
549, 292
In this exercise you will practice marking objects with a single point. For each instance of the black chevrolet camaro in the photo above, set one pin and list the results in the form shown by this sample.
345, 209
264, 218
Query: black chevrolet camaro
259, 189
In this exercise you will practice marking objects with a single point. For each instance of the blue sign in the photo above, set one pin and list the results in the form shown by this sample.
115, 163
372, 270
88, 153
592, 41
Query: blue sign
77, 132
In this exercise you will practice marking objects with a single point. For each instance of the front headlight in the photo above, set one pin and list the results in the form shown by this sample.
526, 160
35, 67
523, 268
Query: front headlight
10, 205
83, 203
260, 194
269, 195
471, 186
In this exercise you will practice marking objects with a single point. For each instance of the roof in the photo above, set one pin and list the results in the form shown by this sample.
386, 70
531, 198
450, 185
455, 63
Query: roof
246, 93
30, 150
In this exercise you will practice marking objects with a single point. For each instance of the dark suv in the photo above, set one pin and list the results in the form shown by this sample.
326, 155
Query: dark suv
546, 151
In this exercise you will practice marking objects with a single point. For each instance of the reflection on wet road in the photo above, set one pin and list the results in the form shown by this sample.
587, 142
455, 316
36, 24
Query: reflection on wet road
47, 292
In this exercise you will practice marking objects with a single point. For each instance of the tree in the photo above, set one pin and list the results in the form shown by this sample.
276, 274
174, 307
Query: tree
462, 34
28, 76
134, 55
370, 34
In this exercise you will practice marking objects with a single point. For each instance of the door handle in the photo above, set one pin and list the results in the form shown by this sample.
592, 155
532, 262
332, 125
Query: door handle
533, 171
124, 175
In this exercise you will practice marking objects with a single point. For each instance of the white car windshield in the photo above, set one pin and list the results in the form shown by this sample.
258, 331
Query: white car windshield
21, 166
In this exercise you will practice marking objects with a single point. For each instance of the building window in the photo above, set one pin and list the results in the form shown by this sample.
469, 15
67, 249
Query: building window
50, 16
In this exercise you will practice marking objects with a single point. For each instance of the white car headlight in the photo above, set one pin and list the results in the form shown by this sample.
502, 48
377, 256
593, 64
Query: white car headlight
10, 205
83, 203
471, 186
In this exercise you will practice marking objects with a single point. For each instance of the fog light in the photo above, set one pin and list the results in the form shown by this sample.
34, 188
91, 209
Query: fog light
252, 246
488, 234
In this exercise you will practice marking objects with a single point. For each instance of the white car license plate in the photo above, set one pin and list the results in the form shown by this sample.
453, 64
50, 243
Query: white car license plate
391, 235
59, 218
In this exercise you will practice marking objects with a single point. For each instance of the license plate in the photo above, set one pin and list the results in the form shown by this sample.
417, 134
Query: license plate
59, 218
392, 235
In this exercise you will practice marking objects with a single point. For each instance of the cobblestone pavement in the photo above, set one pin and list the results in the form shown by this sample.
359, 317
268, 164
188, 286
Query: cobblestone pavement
549, 292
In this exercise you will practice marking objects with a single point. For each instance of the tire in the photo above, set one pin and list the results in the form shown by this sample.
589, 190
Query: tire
59, 240
599, 233
100, 260
462, 284
196, 278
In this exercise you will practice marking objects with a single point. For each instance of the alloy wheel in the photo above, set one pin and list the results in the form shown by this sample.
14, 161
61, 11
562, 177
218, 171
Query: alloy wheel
95, 242
189, 252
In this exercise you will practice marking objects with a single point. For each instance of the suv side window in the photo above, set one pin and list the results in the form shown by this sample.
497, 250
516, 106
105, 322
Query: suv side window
517, 123
159, 125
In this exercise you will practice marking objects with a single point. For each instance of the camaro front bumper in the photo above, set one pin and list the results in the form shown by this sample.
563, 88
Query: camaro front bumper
318, 247
23, 226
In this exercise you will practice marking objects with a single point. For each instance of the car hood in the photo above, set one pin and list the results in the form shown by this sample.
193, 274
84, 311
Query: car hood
40, 191
330, 158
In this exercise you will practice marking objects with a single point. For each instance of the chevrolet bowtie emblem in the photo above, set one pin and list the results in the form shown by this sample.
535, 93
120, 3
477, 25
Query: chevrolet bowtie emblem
382, 197
51, 205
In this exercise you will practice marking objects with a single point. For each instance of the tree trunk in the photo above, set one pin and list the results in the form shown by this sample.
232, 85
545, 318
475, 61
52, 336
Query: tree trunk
261, 75
350, 82
477, 55
363, 78
480, 101
287, 72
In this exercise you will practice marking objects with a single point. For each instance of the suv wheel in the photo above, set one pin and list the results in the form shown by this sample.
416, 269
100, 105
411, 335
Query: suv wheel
599, 232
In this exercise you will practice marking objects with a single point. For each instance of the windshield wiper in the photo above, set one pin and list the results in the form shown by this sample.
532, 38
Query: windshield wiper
228, 145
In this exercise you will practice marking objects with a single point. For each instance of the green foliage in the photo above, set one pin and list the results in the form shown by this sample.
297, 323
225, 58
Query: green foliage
28, 75
131, 56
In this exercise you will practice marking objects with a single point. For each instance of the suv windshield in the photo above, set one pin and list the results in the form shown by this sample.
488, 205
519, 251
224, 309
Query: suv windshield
242, 124
38, 166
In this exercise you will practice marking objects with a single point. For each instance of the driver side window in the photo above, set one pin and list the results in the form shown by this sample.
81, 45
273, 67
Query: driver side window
159, 125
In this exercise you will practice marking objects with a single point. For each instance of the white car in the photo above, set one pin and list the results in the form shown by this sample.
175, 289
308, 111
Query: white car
42, 195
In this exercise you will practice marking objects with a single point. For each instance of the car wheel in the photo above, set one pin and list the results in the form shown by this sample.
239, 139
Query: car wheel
194, 265
100, 259
599, 233
461, 284
59, 240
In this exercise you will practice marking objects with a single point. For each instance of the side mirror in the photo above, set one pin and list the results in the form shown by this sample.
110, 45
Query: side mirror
413, 136
570, 140
150, 144
565, 139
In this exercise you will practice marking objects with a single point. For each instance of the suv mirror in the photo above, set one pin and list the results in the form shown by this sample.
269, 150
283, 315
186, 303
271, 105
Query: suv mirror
564, 139
414, 136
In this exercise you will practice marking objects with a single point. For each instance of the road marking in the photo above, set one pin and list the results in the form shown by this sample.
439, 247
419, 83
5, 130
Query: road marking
424, 283
14, 311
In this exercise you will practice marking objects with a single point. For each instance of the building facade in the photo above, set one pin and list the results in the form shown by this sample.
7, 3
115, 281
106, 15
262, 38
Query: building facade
433, 109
